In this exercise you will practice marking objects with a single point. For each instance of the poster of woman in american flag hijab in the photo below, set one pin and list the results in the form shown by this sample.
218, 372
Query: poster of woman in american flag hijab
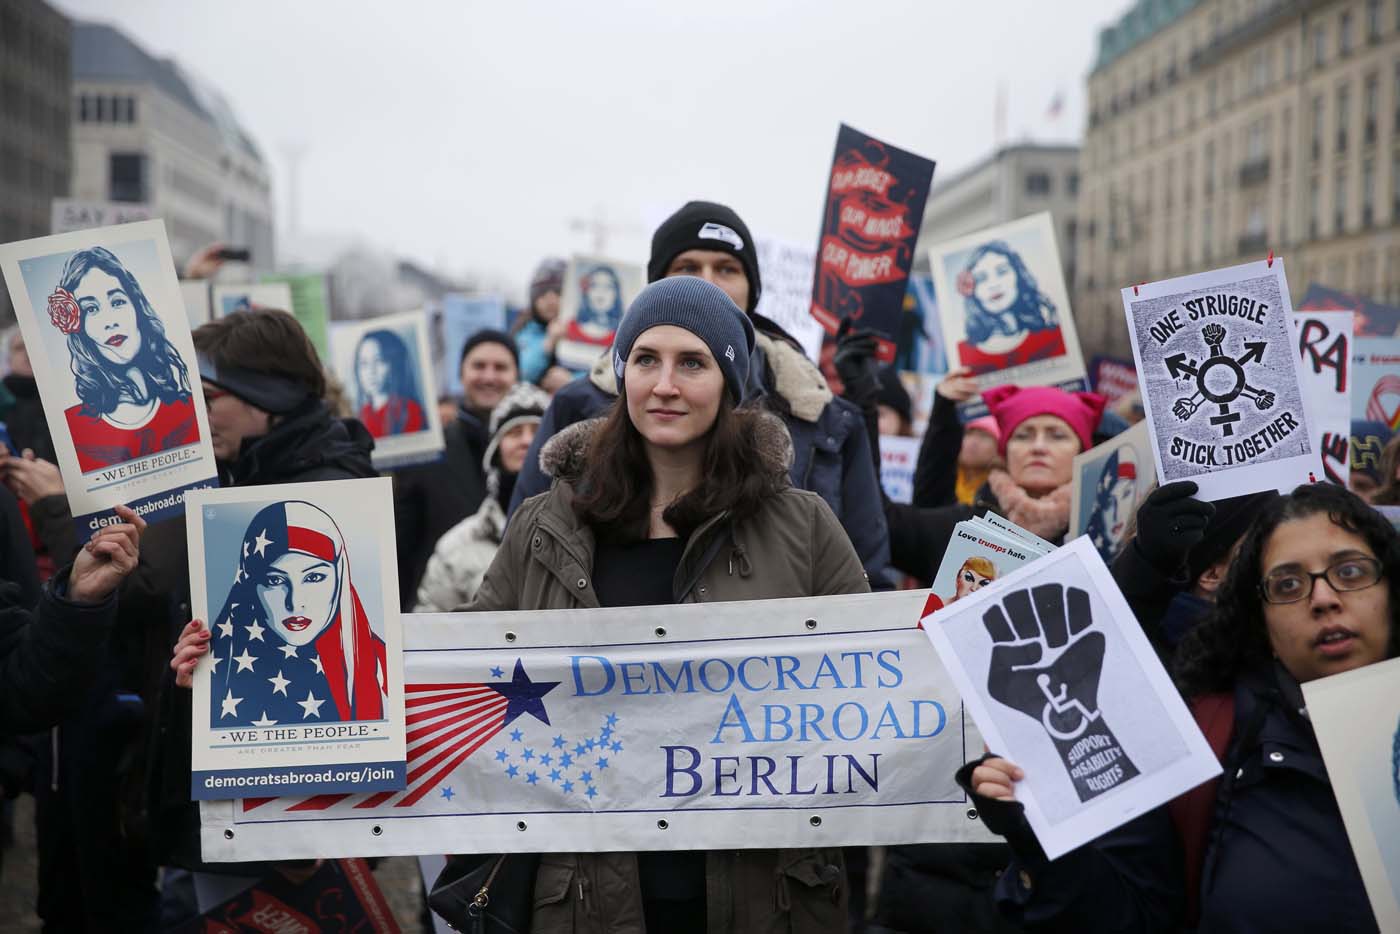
304, 669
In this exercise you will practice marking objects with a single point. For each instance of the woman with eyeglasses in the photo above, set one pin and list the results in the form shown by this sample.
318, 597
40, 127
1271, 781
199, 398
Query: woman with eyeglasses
1314, 591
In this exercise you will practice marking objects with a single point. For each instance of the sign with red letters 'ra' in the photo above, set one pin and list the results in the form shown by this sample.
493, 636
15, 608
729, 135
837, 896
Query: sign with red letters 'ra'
874, 207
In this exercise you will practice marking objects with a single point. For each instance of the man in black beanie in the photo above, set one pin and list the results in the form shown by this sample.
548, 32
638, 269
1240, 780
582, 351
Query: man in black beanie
1174, 565
832, 455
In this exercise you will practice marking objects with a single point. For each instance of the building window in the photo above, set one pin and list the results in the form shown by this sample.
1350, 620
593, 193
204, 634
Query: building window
1208, 184
100, 114
1038, 184
1072, 183
1373, 20
1314, 209
1317, 106
1207, 234
1395, 187
1343, 112
127, 177
1344, 34
83, 108
1368, 193
1373, 108
1287, 60
1319, 44
1339, 200
1283, 212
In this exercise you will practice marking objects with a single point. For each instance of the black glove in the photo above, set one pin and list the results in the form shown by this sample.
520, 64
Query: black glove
857, 365
1169, 524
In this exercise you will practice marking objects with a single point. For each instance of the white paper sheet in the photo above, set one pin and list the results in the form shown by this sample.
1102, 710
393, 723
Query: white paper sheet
1219, 380
1061, 680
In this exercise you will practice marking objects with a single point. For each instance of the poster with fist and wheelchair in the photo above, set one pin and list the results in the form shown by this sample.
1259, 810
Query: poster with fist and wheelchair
1061, 680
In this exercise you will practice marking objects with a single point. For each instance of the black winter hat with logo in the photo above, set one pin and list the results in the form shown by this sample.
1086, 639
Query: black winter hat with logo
704, 225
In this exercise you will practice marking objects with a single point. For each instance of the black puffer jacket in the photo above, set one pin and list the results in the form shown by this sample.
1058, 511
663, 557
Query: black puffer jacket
429, 499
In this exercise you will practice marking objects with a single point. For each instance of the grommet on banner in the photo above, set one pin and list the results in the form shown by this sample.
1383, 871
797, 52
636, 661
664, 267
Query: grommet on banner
377, 830
810, 624
971, 813
1271, 259
520, 826
510, 637
660, 632
816, 821
662, 824
228, 834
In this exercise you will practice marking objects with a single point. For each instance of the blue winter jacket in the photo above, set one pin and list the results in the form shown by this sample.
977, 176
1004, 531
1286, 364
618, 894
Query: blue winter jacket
831, 451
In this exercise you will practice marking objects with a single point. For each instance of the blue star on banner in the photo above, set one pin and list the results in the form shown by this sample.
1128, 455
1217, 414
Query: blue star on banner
563, 771
524, 696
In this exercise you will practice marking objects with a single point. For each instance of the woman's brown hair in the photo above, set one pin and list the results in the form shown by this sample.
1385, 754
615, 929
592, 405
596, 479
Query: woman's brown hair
737, 474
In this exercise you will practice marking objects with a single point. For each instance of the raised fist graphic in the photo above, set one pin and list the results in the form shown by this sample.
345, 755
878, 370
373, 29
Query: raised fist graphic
1185, 408
1213, 333
1264, 400
1046, 663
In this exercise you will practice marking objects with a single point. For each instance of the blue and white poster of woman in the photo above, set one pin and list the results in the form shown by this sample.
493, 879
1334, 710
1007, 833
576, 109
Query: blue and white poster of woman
459, 317
303, 685
102, 315
597, 291
1107, 484
1004, 306
385, 367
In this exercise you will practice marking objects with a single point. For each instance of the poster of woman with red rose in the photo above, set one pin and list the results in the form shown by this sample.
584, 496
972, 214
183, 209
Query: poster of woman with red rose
1004, 307
116, 373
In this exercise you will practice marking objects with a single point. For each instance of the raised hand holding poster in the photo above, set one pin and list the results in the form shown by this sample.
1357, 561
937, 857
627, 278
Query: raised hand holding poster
1324, 358
384, 365
1061, 680
1004, 307
1362, 753
1109, 483
597, 292
1219, 378
874, 208
104, 322
302, 688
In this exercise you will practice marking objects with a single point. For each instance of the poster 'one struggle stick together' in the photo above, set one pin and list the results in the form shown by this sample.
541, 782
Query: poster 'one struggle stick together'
1220, 381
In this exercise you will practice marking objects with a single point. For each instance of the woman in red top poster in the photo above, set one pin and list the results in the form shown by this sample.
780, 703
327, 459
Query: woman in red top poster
133, 388
386, 386
1010, 321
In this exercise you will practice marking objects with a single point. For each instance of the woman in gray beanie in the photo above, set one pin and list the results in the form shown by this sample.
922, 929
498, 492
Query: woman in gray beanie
679, 495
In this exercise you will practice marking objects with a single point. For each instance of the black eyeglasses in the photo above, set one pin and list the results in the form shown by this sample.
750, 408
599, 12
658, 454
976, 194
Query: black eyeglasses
1348, 574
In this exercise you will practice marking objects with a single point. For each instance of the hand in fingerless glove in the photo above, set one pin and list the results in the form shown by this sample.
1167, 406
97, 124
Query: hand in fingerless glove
857, 365
1169, 524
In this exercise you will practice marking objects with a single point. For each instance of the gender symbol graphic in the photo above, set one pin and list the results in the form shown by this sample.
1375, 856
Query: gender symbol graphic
1060, 692
1220, 379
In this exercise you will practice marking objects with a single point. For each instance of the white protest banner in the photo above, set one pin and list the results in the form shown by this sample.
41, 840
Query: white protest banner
1004, 306
230, 298
821, 721
299, 586
597, 292
1061, 680
1219, 380
1108, 484
386, 368
898, 457
1323, 339
786, 269
70, 214
195, 293
1356, 717
104, 322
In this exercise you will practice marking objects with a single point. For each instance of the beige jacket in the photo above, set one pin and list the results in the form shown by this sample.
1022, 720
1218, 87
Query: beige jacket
793, 548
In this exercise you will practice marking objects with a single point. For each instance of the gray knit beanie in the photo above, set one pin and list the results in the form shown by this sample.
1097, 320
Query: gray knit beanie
702, 309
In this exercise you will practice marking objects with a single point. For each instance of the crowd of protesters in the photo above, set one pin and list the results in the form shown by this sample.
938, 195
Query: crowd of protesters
681, 468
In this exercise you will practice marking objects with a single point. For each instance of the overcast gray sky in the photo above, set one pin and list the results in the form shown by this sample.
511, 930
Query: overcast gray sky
467, 135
